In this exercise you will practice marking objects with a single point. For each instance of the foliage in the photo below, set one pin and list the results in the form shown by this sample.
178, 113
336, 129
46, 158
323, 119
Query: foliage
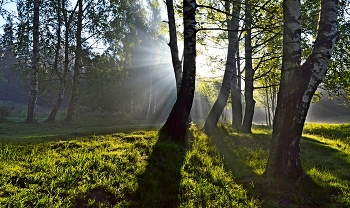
208, 88
111, 33
4, 112
336, 82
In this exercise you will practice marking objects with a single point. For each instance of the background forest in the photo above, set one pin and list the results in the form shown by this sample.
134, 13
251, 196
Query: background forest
123, 62
122, 66
147, 103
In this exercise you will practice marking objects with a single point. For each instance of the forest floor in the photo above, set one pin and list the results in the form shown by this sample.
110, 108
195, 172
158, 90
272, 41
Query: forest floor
61, 165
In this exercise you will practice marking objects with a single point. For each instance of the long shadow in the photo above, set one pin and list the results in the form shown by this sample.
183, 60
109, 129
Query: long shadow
159, 186
231, 161
335, 159
279, 193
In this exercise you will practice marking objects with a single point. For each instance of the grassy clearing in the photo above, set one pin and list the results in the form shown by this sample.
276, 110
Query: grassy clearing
134, 169
325, 156
54, 165
21, 133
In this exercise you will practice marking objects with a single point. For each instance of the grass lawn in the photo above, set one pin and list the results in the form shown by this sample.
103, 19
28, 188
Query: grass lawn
55, 165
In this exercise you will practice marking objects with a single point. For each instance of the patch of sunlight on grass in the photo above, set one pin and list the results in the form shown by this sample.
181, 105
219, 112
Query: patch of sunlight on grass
205, 183
328, 160
323, 177
337, 186
332, 131
56, 174
248, 152
261, 129
333, 143
130, 169
256, 159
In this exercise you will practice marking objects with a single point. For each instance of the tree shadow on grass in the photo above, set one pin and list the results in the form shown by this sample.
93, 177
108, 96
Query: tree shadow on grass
159, 185
240, 150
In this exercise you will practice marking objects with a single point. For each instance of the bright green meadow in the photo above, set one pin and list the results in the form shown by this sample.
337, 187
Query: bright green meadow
61, 165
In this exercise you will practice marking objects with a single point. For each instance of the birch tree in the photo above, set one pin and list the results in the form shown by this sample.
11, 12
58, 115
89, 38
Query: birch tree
34, 84
230, 70
61, 10
298, 85
176, 124
249, 72
77, 64
173, 44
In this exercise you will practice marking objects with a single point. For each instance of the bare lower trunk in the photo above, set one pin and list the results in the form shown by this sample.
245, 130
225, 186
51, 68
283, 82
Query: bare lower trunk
220, 103
173, 45
35, 66
236, 97
73, 99
298, 85
54, 111
62, 76
150, 99
176, 124
77, 66
249, 75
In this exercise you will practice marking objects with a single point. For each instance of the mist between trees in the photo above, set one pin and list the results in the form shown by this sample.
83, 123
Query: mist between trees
113, 60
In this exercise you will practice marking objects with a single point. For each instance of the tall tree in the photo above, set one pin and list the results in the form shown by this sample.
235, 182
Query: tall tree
77, 64
236, 97
176, 124
298, 85
35, 66
249, 72
61, 11
230, 70
173, 44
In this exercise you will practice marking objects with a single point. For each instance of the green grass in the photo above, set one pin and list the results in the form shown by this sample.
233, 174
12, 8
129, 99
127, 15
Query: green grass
325, 154
130, 169
104, 165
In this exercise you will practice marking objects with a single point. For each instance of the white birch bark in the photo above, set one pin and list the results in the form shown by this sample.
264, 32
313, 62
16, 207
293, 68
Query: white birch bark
298, 85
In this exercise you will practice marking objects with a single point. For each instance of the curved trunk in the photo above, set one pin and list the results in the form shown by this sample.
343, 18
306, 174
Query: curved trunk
77, 65
54, 111
220, 103
298, 85
173, 45
62, 76
176, 124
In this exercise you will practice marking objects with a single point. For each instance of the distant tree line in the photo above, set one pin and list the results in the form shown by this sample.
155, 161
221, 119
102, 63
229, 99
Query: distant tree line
104, 55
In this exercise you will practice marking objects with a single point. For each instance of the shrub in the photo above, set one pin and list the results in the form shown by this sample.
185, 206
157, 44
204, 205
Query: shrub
4, 112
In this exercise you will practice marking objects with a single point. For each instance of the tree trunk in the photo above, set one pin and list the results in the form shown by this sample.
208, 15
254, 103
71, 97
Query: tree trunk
249, 74
150, 97
268, 108
35, 66
173, 45
298, 85
236, 97
77, 65
62, 76
176, 124
220, 103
